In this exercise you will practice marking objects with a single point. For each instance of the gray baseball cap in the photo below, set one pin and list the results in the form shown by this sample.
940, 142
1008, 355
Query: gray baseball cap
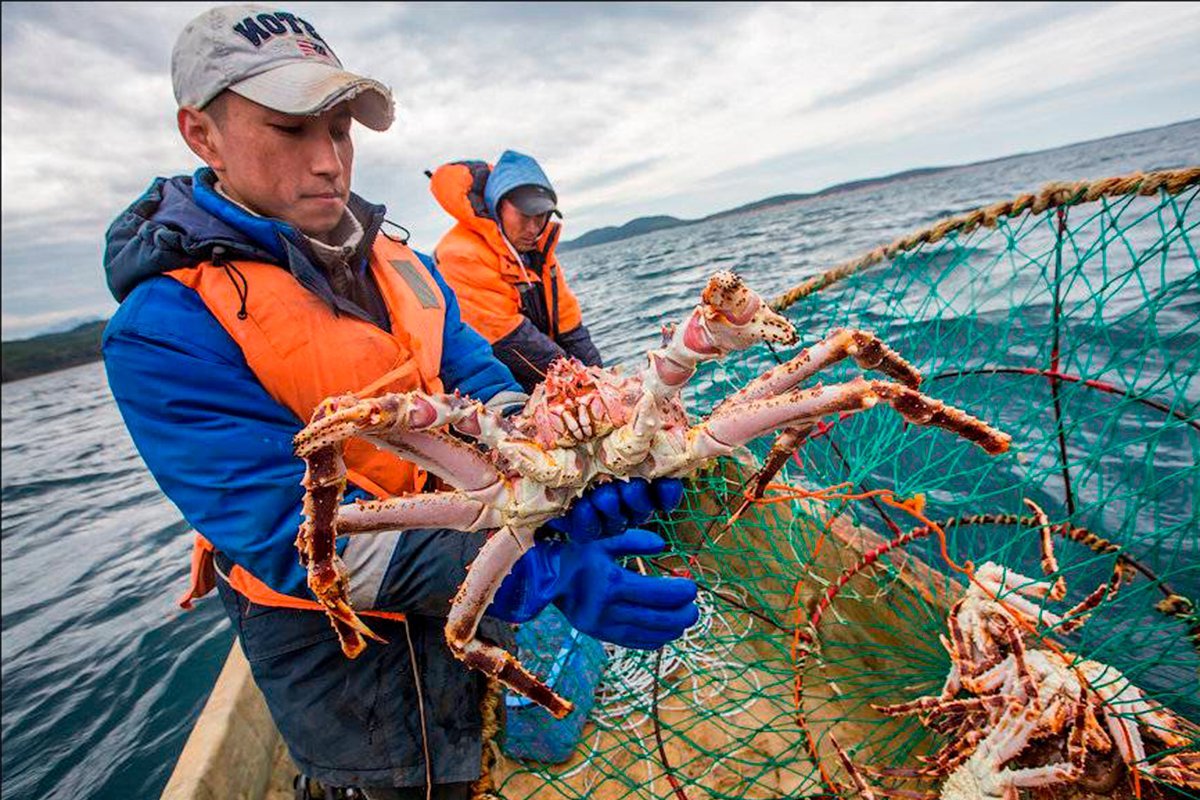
275, 58
533, 200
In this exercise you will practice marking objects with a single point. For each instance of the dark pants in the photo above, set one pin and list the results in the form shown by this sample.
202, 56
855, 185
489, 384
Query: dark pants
355, 722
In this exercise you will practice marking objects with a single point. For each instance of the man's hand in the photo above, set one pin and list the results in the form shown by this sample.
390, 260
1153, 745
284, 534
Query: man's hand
596, 594
610, 508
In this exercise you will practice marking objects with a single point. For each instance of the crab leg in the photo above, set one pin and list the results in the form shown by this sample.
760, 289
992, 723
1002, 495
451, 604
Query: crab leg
866, 348
1049, 563
731, 316
1068, 770
1077, 614
484, 576
860, 783
938, 705
733, 427
455, 510
1182, 769
324, 483
321, 443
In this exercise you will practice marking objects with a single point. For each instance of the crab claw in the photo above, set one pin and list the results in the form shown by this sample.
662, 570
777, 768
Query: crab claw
731, 316
735, 317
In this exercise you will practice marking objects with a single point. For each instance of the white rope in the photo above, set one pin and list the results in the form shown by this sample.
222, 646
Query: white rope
703, 655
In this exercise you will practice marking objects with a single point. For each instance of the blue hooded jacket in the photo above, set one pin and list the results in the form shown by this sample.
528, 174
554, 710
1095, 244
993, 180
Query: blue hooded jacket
186, 392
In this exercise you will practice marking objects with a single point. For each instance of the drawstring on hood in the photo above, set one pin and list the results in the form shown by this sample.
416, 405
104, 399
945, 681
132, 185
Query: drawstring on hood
179, 223
243, 289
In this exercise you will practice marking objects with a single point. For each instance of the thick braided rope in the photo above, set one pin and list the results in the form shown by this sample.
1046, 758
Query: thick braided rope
489, 708
1052, 195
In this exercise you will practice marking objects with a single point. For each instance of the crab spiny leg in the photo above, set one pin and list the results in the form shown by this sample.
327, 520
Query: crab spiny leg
999, 677
325, 481
454, 510
1179, 769
866, 348
1017, 651
1055, 773
953, 682
1076, 615
939, 706
484, 576
860, 783
321, 444
868, 351
1122, 701
961, 655
733, 427
901, 772
1049, 563
922, 410
1159, 722
960, 749
785, 444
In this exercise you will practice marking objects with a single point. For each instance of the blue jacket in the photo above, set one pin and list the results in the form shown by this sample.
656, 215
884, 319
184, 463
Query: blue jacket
216, 442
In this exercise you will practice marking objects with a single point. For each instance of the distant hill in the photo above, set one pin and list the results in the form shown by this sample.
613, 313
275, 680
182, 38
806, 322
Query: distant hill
25, 358
614, 234
643, 225
647, 224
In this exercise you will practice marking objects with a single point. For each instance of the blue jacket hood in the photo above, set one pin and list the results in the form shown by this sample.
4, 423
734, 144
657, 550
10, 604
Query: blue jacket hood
512, 170
167, 229
179, 221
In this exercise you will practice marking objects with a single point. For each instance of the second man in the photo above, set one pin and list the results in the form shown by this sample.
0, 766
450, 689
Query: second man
500, 260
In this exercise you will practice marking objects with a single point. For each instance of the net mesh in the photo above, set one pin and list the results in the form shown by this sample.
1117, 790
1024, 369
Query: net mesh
1074, 327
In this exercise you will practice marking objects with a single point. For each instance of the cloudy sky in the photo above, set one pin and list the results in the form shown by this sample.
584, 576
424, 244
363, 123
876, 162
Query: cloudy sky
681, 109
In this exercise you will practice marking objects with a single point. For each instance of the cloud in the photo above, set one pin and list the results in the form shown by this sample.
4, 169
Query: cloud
633, 109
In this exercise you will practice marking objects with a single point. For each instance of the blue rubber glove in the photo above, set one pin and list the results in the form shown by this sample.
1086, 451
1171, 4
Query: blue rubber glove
596, 594
610, 508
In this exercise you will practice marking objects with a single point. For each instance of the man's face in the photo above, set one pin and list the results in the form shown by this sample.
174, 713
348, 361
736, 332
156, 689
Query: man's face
293, 168
521, 229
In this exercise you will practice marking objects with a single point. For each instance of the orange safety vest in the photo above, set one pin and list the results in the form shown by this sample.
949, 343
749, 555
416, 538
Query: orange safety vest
482, 269
297, 347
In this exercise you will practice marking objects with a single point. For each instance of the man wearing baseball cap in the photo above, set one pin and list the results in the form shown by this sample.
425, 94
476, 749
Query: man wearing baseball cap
500, 259
252, 290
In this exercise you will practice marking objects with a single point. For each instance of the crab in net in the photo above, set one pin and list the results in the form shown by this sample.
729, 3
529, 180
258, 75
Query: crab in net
1017, 716
581, 426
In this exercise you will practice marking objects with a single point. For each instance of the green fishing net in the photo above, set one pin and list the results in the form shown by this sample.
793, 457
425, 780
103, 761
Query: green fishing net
1071, 321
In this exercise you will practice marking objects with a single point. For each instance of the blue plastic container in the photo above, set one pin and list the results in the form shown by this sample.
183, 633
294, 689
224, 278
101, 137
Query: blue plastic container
569, 662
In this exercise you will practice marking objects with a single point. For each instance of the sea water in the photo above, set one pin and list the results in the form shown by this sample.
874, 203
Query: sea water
103, 675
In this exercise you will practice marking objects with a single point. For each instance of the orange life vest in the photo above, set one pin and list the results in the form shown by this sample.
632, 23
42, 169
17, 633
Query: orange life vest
298, 347
483, 270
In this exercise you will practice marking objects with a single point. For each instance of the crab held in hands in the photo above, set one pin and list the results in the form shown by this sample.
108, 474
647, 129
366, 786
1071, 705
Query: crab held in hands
581, 426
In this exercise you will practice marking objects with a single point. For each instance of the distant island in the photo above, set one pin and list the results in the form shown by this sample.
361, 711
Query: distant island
50, 352
643, 225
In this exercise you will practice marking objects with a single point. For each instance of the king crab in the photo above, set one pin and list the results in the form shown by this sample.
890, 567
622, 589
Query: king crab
1018, 695
581, 426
